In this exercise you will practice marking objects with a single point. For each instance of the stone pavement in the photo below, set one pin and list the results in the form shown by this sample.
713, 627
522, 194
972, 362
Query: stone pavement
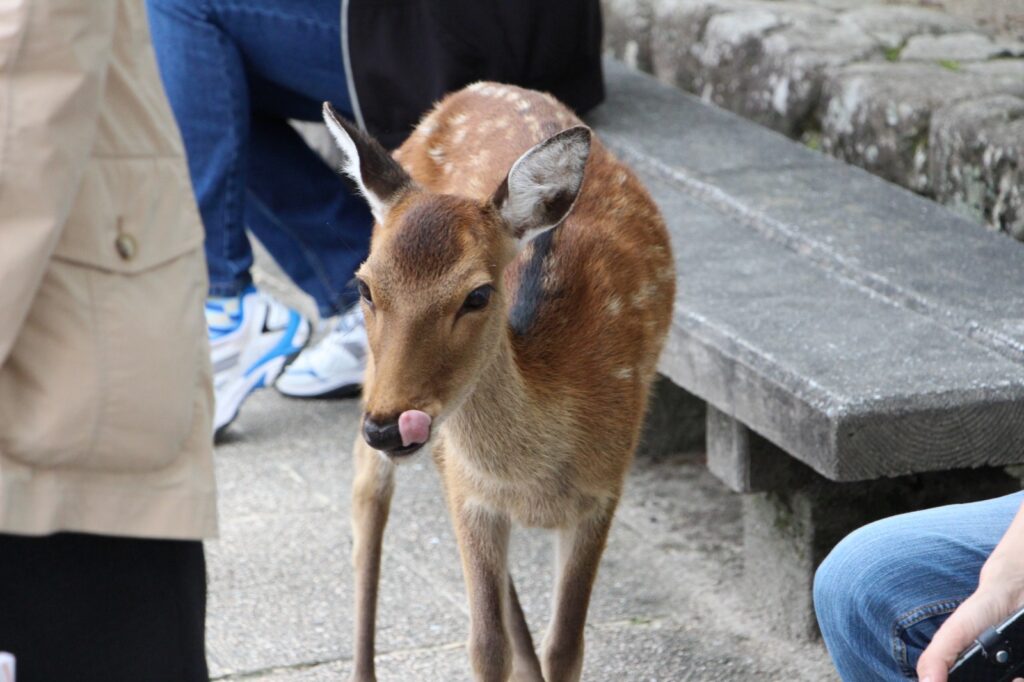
666, 606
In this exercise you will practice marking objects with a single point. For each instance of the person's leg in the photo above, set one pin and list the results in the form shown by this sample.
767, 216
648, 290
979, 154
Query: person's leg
883, 591
316, 230
234, 71
91, 607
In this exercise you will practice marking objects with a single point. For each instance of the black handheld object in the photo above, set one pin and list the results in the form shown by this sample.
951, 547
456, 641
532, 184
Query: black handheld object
997, 655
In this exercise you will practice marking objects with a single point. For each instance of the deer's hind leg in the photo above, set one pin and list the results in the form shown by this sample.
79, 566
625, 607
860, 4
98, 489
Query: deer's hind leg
579, 549
371, 501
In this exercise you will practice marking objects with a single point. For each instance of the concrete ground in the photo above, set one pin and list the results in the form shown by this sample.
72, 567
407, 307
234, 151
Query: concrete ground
666, 606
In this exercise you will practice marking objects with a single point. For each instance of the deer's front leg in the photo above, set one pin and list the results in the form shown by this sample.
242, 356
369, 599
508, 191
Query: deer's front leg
579, 553
525, 664
371, 499
483, 543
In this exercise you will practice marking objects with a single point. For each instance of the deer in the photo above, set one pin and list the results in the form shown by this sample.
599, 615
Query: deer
517, 294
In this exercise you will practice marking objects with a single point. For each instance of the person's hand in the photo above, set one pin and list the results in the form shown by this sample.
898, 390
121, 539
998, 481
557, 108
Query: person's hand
1000, 593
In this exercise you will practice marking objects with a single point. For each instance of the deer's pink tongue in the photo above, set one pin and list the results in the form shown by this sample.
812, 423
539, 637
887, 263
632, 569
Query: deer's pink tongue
414, 427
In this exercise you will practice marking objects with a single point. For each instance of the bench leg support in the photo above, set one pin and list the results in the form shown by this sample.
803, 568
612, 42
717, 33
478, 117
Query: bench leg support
789, 528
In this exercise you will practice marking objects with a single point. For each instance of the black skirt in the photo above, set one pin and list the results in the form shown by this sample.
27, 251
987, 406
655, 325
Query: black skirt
78, 608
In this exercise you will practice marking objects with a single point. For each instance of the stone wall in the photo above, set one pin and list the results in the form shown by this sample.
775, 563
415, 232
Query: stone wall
932, 99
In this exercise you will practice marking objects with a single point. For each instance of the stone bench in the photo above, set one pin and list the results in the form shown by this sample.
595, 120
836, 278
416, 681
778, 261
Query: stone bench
860, 349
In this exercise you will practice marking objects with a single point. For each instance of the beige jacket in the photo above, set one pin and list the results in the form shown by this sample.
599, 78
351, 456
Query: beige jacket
105, 395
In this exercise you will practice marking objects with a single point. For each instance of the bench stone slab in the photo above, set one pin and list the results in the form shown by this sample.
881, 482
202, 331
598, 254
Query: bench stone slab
863, 330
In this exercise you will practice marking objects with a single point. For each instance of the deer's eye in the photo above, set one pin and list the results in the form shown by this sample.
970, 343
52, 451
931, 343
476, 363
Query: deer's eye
364, 291
477, 299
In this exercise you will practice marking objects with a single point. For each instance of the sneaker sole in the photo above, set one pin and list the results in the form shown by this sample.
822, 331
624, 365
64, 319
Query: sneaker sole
347, 390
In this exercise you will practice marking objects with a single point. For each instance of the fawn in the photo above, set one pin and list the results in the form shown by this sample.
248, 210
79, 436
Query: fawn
517, 294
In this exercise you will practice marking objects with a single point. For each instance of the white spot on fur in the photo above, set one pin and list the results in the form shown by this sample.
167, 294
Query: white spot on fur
646, 291
533, 124
623, 373
459, 119
613, 305
437, 154
459, 136
428, 126
480, 159
621, 177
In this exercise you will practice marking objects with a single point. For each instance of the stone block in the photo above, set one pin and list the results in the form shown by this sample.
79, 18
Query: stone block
959, 47
677, 29
976, 160
894, 25
878, 115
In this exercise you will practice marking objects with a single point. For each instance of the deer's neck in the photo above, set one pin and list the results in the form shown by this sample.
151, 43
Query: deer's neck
498, 419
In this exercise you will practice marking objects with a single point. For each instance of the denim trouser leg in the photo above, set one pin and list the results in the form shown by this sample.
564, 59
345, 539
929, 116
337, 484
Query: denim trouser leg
884, 590
234, 70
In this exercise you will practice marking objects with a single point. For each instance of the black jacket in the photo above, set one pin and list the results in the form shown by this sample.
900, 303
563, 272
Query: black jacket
401, 56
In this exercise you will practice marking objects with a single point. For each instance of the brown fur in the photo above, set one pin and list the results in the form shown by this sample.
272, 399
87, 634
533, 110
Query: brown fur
536, 427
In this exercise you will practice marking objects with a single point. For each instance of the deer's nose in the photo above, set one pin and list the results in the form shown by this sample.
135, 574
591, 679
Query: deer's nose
382, 434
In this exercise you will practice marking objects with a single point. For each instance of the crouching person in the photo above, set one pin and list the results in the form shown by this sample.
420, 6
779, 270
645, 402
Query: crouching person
900, 598
106, 478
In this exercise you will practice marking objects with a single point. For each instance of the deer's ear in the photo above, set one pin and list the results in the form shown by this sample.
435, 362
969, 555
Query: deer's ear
542, 186
380, 178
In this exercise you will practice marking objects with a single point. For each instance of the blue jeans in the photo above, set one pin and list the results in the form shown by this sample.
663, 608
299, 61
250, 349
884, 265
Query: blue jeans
235, 71
883, 592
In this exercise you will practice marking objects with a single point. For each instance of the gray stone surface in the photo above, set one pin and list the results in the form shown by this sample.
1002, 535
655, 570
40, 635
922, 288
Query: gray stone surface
976, 160
1001, 17
628, 31
665, 606
959, 47
862, 329
894, 25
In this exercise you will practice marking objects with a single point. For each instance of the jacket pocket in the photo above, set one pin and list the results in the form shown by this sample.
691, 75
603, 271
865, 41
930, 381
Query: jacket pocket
105, 370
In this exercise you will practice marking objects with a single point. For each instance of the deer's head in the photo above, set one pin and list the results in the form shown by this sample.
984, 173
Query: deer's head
432, 291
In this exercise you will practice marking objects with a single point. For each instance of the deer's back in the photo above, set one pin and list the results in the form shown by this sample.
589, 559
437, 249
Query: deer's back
592, 299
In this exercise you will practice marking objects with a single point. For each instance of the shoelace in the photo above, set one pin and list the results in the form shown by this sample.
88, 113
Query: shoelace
349, 321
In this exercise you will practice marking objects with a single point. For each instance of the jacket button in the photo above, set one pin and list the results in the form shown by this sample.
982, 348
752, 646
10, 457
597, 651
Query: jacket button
126, 246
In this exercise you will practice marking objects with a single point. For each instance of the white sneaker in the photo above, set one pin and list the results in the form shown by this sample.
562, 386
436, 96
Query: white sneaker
332, 368
252, 338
